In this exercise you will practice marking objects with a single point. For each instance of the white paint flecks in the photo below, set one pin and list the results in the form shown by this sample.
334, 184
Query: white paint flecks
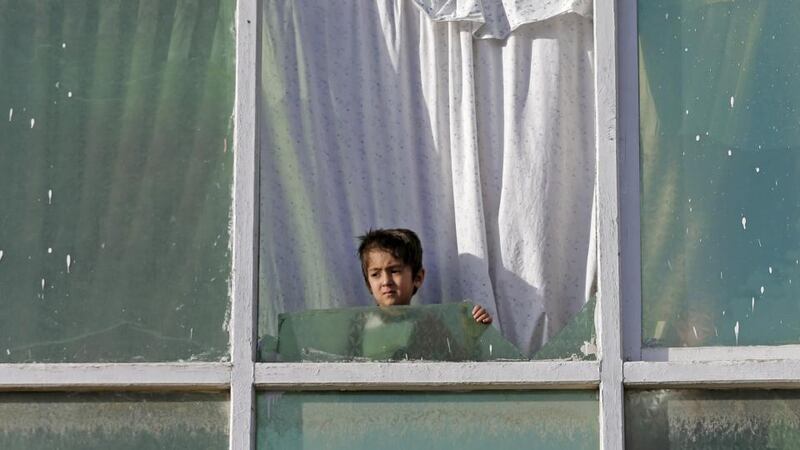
770, 270
69, 94
69, 262
736, 332
732, 101
694, 329
8, 351
49, 196
43, 283
490, 349
730, 152
687, 112
33, 122
10, 114
58, 83
1, 255
752, 304
49, 250
762, 290
666, 16
744, 223
758, 169
697, 138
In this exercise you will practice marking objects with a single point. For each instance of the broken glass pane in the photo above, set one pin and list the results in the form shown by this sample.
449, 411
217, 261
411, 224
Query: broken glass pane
90, 421
720, 128
115, 179
464, 421
709, 420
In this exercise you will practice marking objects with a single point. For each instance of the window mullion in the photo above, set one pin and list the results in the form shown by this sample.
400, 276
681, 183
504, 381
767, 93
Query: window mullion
612, 434
245, 231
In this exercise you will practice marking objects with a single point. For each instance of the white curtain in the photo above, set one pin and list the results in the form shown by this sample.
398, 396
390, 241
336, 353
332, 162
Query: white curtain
377, 114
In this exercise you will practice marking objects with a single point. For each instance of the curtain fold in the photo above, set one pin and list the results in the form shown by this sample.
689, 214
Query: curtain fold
374, 115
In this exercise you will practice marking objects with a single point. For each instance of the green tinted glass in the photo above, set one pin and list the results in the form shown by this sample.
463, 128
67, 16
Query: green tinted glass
709, 420
118, 421
115, 179
720, 127
463, 421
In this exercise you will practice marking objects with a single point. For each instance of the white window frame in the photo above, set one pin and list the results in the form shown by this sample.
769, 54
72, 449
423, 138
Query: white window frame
622, 364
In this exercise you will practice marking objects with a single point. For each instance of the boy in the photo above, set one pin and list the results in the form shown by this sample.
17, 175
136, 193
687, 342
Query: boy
391, 262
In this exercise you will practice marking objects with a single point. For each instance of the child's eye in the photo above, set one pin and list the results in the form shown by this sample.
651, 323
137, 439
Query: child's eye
374, 275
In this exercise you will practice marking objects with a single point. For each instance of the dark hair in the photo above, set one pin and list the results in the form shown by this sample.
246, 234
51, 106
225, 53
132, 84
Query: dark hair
401, 243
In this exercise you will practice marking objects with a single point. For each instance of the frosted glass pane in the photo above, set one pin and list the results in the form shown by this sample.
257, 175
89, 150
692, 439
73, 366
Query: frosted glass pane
463, 421
720, 127
115, 179
113, 421
709, 420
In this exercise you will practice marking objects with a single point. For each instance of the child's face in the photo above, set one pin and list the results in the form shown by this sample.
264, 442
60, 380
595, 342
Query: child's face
390, 280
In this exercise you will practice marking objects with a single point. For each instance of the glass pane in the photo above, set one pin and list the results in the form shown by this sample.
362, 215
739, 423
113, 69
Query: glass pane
720, 127
694, 419
463, 421
119, 421
115, 179
363, 125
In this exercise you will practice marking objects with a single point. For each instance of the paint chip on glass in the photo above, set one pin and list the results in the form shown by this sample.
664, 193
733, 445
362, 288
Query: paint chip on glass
69, 262
43, 283
58, 83
732, 101
33, 122
49, 250
697, 138
744, 223
49, 196
69, 94
63, 45
752, 304
660, 325
770, 270
694, 329
736, 332
762, 290
1, 255
730, 153
10, 113
758, 169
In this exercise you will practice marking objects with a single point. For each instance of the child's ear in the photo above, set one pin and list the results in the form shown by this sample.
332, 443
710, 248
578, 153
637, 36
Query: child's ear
419, 278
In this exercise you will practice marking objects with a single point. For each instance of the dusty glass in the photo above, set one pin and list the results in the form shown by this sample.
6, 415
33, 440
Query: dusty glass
697, 419
720, 127
464, 421
115, 180
90, 421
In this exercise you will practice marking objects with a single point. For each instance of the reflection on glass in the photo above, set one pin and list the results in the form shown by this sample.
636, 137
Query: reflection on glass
115, 180
720, 127
463, 421
119, 421
694, 419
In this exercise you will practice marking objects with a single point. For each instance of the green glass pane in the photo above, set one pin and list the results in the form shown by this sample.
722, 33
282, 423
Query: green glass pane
113, 421
709, 420
435, 332
115, 179
720, 127
463, 421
